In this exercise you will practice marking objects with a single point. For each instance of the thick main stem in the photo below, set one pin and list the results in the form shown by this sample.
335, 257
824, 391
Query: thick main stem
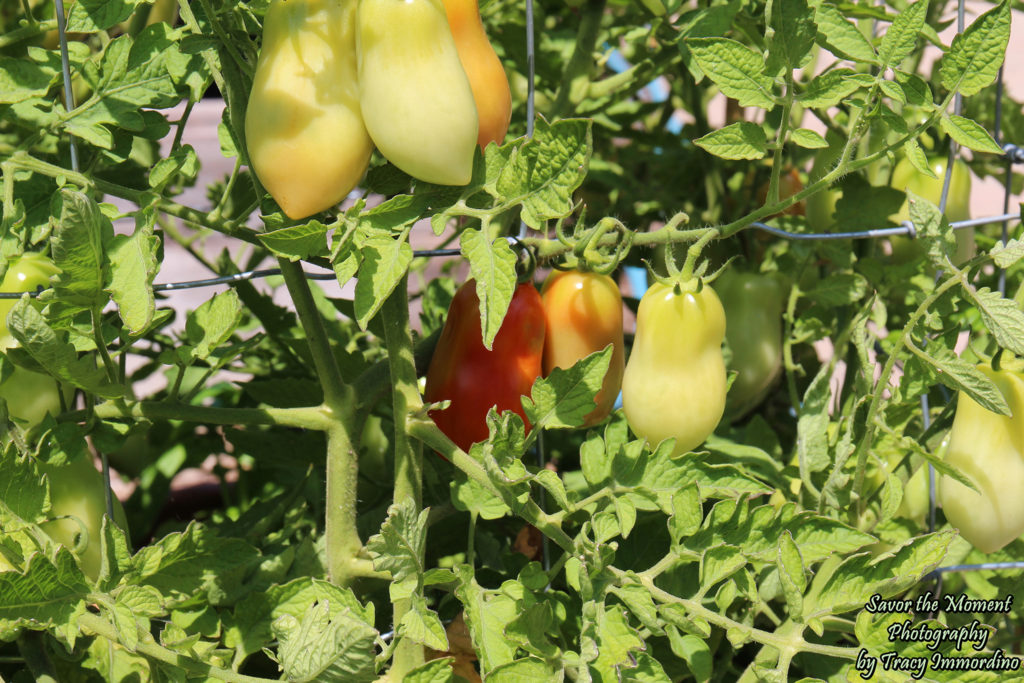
343, 543
405, 399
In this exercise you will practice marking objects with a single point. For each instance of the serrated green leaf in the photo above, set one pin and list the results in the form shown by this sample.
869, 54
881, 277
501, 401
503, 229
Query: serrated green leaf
959, 375
918, 158
211, 325
422, 625
470, 496
969, 134
398, 548
434, 671
255, 614
22, 79
791, 573
384, 263
51, 594
933, 229
892, 91
840, 289
79, 250
487, 613
901, 37
318, 647
544, 172
56, 356
735, 68
740, 140
808, 139
975, 55
793, 32
832, 87
493, 267
687, 514
566, 396
1002, 317
841, 37
812, 425
694, 651
297, 242
133, 267
90, 16
858, 577
1006, 255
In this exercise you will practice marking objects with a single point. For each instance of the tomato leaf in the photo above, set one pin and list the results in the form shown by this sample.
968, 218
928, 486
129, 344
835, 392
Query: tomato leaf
975, 55
566, 396
741, 140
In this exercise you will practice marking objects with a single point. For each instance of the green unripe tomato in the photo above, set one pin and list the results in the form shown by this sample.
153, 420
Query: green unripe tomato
31, 395
77, 492
24, 274
905, 177
753, 313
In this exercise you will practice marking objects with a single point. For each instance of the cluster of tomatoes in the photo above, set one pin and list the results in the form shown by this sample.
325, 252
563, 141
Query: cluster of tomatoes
417, 79
674, 385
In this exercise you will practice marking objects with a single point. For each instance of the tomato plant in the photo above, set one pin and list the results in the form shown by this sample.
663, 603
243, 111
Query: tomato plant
270, 436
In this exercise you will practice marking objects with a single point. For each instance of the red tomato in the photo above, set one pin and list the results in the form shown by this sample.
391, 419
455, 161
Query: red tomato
474, 379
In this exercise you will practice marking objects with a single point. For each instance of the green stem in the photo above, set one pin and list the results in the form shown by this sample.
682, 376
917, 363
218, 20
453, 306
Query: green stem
101, 347
311, 417
780, 141
406, 398
343, 543
336, 393
787, 348
797, 644
424, 429
577, 73
25, 32
103, 628
883, 381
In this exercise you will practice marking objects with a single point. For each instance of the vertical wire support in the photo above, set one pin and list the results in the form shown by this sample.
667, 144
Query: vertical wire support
926, 418
530, 116
531, 61
1007, 181
65, 65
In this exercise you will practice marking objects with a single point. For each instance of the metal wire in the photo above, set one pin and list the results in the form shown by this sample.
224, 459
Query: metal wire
906, 228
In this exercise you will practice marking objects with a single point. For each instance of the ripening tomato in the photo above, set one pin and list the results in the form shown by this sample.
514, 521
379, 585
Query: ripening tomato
413, 91
303, 127
474, 379
674, 384
483, 68
584, 315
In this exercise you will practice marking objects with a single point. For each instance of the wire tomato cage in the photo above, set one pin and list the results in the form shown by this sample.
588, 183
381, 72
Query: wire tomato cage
1013, 154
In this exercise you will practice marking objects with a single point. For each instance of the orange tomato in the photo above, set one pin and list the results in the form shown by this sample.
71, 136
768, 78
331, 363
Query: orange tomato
487, 77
